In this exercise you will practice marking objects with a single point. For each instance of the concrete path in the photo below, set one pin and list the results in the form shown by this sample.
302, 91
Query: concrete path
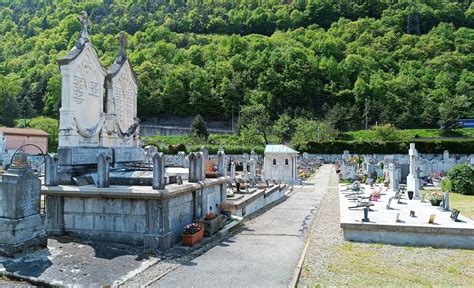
266, 253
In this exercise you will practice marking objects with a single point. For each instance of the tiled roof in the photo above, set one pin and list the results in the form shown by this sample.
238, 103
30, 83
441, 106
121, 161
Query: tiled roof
23, 131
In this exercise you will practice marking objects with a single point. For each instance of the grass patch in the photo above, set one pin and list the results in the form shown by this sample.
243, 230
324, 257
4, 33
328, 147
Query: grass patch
359, 264
463, 203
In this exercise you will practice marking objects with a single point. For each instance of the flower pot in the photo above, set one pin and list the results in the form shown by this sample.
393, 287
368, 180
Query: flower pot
435, 202
190, 240
214, 225
410, 195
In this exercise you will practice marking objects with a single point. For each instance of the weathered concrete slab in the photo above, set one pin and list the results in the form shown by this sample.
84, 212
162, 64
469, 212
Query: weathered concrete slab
68, 262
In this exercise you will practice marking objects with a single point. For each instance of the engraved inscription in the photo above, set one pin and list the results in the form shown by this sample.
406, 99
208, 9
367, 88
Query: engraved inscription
94, 89
79, 85
129, 155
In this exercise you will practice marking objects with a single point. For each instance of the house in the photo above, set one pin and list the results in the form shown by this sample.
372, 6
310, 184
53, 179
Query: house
12, 138
280, 163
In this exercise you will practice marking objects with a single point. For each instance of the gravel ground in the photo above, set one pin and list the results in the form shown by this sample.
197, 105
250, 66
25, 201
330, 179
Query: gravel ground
331, 261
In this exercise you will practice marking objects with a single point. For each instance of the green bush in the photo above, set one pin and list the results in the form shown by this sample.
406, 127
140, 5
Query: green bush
461, 179
391, 147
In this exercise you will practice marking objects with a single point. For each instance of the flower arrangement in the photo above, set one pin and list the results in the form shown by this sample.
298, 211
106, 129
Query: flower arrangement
191, 229
435, 196
210, 216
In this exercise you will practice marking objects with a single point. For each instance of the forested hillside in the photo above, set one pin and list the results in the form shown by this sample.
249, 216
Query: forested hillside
409, 63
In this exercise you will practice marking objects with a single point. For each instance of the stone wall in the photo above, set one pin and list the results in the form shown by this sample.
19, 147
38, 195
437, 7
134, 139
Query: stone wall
135, 215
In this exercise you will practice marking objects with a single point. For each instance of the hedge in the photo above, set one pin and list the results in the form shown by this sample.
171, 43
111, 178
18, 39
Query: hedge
229, 149
392, 147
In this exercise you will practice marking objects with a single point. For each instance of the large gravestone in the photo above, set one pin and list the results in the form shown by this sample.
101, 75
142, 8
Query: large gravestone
82, 93
87, 128
121, 128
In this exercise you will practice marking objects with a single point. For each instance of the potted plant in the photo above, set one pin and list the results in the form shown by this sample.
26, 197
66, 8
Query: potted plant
212, 223
227, 208
192, 234
435, 198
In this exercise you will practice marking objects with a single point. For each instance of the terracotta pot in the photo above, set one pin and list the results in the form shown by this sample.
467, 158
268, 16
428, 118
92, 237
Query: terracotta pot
190, 240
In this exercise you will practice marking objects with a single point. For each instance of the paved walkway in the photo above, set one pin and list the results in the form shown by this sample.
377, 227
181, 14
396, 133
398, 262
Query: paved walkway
265, 253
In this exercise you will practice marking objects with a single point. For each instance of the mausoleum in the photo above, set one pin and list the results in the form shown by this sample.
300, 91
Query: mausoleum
280, 163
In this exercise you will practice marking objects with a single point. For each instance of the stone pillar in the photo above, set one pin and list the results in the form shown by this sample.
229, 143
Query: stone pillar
245, 170
413, 183
232, 170
393, 172
345, 155
22, 227
253, 170
159, 171
51, 170
181, 159
200, 166
192, 167
205, 153
103, 171
221, 168
445, 155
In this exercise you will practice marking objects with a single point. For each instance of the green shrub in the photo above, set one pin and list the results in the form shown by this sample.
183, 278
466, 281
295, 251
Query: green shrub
391, 147
461, 178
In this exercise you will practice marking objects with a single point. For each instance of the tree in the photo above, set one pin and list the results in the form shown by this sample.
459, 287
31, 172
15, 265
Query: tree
282, 128
50, 126
307, 130
255, 118
199, 128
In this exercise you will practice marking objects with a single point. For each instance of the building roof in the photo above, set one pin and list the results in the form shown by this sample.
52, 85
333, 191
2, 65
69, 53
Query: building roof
279, 149
23, 131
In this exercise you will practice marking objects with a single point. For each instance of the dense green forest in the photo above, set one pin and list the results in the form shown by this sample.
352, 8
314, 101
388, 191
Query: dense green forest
408, 63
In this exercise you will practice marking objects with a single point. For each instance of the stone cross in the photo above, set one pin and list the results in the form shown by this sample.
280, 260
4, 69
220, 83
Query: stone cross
413, 183
221, 163
85, 22
159, 171
51, 173
123, 44
205, 153
103, 171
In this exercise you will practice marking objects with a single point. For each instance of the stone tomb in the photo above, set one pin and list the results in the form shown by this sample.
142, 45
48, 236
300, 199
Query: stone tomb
22, 227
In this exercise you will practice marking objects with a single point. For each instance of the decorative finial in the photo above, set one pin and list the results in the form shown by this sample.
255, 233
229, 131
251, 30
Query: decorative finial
84, 19
123, 45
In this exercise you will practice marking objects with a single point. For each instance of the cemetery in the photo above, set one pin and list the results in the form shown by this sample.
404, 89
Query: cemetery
104, 188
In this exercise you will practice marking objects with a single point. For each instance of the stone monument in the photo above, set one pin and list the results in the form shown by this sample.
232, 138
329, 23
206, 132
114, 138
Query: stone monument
86, 127
121, 130
413, 183
22, 227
